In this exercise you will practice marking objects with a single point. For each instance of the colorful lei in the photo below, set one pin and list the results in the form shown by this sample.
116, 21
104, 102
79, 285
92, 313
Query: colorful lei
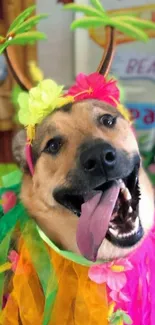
52, 286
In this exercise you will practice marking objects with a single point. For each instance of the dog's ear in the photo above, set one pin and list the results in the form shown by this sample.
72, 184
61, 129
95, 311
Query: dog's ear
18, 149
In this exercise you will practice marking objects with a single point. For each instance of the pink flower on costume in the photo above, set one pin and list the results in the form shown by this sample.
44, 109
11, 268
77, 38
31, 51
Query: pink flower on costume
14, 258
95, 86
9, 200
118, 296
113, 274
151, 168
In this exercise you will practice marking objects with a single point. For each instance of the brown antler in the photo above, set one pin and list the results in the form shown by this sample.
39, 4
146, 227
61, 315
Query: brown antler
105, 64
18, 75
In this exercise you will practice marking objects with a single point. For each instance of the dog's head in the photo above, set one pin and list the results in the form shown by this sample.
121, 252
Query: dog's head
89, 192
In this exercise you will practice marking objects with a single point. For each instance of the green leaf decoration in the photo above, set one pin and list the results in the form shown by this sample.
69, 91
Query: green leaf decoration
20, 30
87, 10
2, 48
115, 317
26, 38
120, 315
20, 19
123, 13
115, 320
2, 39
97, 5
127, 319
141, 23
88, 22
129, 29
28, 24
95, 16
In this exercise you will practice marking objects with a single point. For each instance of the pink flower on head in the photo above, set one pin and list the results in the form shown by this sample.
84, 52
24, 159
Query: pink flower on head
95, 86
113, 274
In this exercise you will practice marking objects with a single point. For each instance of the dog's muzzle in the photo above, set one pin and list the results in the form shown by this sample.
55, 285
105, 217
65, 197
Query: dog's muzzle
104, 193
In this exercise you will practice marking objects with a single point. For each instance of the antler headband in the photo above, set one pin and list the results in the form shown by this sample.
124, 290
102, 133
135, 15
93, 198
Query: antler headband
37, 102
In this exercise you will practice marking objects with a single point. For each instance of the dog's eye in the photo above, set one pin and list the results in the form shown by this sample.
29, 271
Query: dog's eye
53, 146
107, 120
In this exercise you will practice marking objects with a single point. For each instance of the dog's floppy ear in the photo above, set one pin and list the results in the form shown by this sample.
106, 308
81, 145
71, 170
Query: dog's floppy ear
18, 148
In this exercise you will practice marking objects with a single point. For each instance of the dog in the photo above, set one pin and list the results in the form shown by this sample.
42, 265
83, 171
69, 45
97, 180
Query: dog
83, 154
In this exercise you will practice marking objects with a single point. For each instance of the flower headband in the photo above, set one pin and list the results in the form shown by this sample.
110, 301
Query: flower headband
48, 96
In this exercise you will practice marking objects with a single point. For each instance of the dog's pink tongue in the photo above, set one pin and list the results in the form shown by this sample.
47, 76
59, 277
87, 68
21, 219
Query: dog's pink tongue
94, 221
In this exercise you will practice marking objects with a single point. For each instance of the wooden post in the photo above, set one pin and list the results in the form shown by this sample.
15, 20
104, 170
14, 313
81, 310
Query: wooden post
9, 9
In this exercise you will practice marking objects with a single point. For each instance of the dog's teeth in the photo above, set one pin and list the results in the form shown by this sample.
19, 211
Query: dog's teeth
126, 194
136, 224
125, 191
114, 232
111, 225
134, 231
130, 209
122, 184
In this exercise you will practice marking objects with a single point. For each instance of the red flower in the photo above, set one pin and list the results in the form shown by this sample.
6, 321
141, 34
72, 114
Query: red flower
95, 86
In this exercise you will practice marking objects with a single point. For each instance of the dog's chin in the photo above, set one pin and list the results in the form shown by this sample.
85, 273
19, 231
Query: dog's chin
125, 229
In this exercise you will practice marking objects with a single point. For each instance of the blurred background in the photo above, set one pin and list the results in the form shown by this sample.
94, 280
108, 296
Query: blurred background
65, 54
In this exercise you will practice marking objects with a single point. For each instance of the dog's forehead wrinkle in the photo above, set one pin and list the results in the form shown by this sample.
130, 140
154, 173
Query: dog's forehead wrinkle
67, 108
106, 107
95, 105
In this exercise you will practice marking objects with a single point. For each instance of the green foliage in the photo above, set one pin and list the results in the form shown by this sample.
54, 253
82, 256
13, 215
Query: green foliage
97, 5
87, 22
20, 32
129, 29
2, 47
26, 38
95, 16
28, 24
138, 22
87, 10
119, 316
21, 17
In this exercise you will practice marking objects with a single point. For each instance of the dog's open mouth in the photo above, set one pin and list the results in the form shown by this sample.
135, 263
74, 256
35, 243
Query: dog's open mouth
109, 211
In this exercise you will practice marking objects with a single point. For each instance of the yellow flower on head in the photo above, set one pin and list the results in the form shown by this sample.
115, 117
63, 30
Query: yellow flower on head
39, 103
30, 132
124, 112
35, 72
64, 101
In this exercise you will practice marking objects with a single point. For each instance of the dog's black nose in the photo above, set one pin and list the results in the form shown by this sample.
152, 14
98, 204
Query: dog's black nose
98, 157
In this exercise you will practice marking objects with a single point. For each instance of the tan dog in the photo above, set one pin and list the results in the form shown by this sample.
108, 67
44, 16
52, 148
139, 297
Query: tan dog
84, 152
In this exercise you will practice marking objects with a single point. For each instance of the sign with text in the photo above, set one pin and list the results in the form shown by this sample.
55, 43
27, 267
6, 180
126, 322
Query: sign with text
143, 115
134, 65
